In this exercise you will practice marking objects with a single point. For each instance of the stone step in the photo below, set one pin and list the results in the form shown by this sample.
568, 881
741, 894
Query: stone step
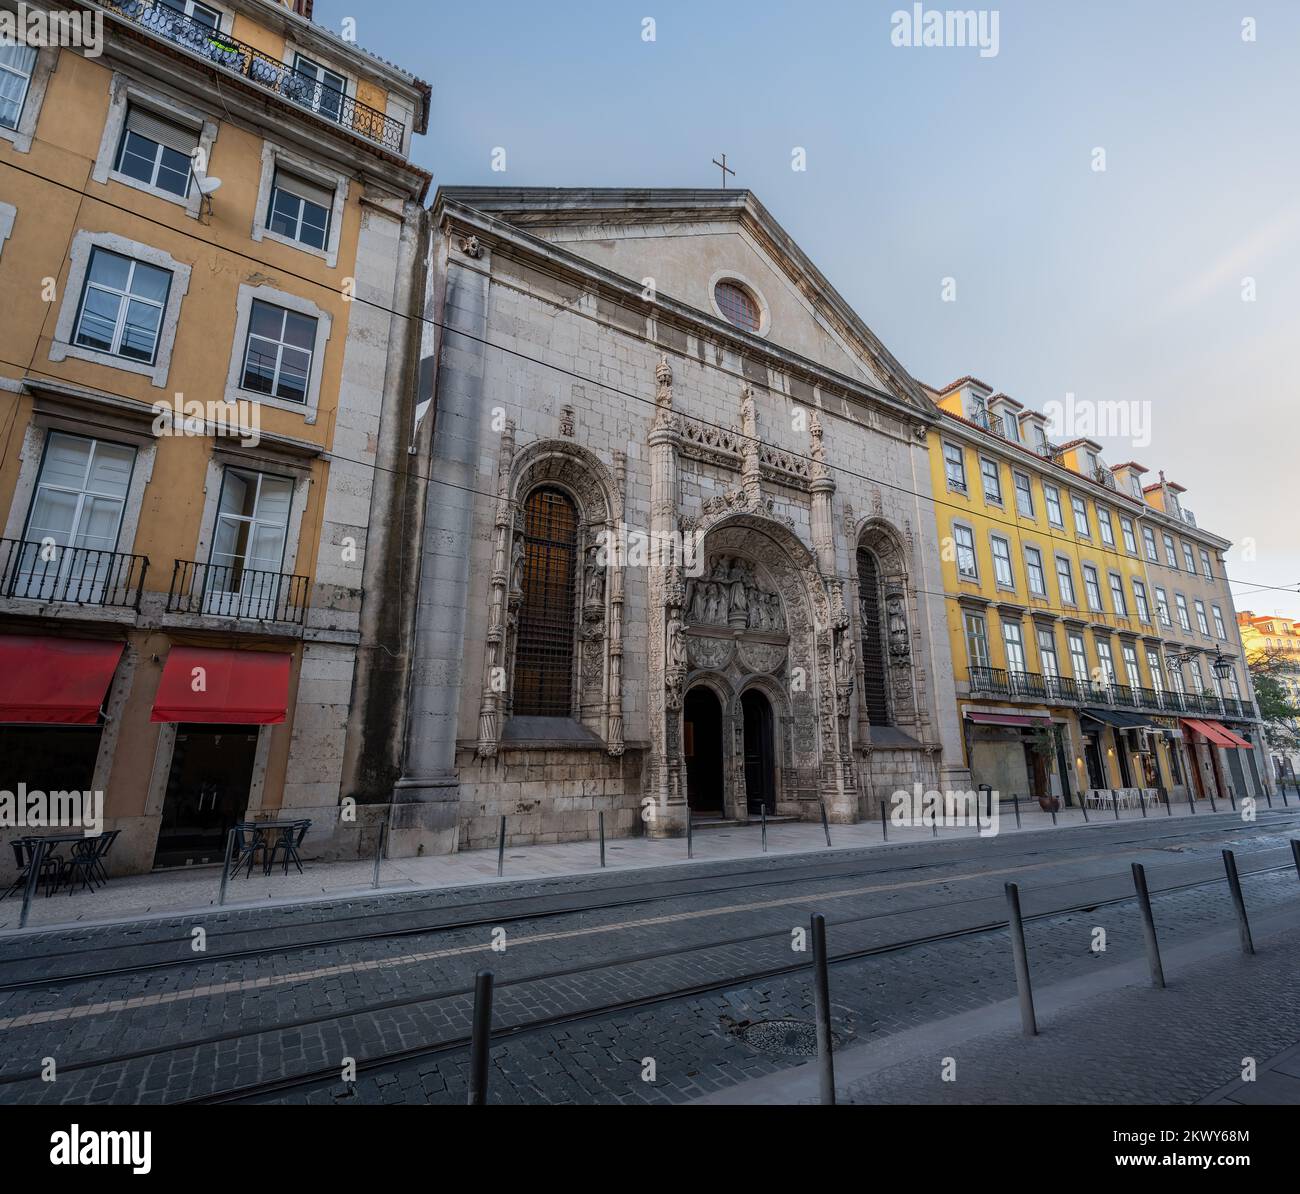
725, 823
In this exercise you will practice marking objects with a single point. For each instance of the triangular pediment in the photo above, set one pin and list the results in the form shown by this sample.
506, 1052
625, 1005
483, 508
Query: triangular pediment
684, 243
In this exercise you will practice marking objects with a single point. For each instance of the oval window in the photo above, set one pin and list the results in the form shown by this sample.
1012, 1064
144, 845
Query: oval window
738, 305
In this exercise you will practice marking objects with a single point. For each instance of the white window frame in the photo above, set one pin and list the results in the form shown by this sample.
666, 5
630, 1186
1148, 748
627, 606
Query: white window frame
1118, 598
1207, 569
1068, 574
1171, 551
1129, 534
1013, 636
1141, 601
994, 499
1078, 651
1040, 591
1027, 492
291, 55
960, 547
83, 244
958, 485
977, 633
1220, 627
38, 83
1149, 542
1184, 614
124, 93
1202, 617
1091, 569
1046, 639
994, 542
276, 156
235, 392
1052, 497
1163, 612
1105, 527
1079, 506
8, 215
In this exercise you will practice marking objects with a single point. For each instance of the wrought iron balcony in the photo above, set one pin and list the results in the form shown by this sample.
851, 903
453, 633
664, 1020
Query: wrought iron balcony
231, 591
34, 570
1103, 476
242, 59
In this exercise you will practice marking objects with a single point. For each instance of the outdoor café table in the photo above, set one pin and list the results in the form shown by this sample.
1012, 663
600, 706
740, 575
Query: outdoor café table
54, 840
262, 837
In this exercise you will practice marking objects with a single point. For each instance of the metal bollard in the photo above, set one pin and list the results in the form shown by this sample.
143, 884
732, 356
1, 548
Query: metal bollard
1169, 804
1053, 811
601, 820
379, 851
822, 1005
480, 1039
1190, 802
1142, 801
1234, 885
1148, 925
1268, 796
1083, 807
764, 815
884, 821
934, 824
1114, 800
1232, 798
1295, 853
1017, 926
1214, 808
225, 866
690, 843
501, 847
1281, 787
33, 876
1016, 797
826, 825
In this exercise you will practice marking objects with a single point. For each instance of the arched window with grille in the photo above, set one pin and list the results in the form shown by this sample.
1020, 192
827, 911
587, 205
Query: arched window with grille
875, 689
544, 651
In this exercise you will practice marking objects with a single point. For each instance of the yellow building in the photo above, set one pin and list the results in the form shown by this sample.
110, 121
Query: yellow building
1277, 639
1071, 587
196, 412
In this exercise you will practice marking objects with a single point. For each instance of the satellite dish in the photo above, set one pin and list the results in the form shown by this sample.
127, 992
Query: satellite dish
208, 185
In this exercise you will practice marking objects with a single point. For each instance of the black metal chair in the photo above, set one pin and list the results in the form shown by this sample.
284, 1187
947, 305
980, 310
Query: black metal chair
250, 842
105, 841
288, 842
24, 849
80, 864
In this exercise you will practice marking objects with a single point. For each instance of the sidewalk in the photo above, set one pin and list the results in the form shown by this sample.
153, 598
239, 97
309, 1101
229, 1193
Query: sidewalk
1103, 1038
168, 893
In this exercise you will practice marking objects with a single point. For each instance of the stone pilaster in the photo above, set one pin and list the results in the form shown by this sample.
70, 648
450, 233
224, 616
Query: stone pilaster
614, 697
494, 657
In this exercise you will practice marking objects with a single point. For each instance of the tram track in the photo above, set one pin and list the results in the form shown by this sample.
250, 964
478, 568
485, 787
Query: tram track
517, 909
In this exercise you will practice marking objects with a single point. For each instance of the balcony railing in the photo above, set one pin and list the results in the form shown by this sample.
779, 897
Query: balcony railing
998, 682
231, 591
1103, 476
242, 59
33, 570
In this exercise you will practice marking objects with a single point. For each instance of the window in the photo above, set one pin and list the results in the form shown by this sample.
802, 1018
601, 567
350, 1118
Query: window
1219, 628
992, 481
1024, 496
1149, 537
1153, 666
1176, 676
1040, 439
1189, 559
156, 152
1117, 595
78, 502
1002, 571
1201, 620
1198, 680
1012, 427
1047, 653
1078, 656
1140, 598
277, 358
300, 210
1034, 572
1135, 485
1162, 607
1206, 567
738, 305
1236, 688
318, 88
1131, 665
967, 567
1015, 646
1130, 541
1106, 660
1052, 496
954, 464
977, 641
543, 681
17, 63
244, 569
199, 13
1171, 556
875, 689
1092, 586
1106, 527
122, 304
1065, 580
1081, 517
1184, 618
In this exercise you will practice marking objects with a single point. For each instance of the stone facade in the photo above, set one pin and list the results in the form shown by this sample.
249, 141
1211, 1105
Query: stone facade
724, 483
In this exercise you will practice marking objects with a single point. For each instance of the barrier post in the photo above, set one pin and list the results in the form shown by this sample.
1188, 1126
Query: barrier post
1016, 797
822, 1005
764, 815
600, 816
379, 852
1017, 926
884, 821
501, 847
826, 825
1238, 901
480, 1039
225, 866
1148, 925
33, 875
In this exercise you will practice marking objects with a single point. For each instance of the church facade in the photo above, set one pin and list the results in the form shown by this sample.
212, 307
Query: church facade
674, 538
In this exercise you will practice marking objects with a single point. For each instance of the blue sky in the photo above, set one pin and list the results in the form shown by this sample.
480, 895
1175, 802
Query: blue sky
929, 163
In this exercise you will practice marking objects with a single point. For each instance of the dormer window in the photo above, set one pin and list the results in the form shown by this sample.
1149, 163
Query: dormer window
1012, 427
1040, 437
1135, 485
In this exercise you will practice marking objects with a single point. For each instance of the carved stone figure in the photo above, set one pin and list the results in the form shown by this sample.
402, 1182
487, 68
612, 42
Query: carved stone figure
517, 567
899, 645
593, 592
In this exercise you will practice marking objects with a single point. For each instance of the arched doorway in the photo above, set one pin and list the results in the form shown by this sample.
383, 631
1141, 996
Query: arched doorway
702, 746
760, 753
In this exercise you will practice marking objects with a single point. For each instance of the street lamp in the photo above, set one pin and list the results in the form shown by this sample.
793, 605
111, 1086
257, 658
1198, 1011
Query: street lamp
1222, 666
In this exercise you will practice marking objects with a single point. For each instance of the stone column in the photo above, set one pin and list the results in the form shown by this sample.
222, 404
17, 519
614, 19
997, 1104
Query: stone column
614, 706
665, 771
425, 799
505, 551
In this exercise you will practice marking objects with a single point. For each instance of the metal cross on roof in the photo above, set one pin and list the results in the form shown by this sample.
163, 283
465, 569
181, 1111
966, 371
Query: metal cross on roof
722, 165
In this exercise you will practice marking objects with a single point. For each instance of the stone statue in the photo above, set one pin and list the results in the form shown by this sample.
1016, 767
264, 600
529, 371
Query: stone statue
594, 589
517, 566
676, 644
845, 659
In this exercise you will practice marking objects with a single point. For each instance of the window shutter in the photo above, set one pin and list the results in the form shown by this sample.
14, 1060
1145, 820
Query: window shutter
174, 136
311, 191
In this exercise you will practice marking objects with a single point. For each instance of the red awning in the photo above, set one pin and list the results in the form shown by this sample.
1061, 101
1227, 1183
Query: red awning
1008, 719
1212, 731
55, 681
223, 687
